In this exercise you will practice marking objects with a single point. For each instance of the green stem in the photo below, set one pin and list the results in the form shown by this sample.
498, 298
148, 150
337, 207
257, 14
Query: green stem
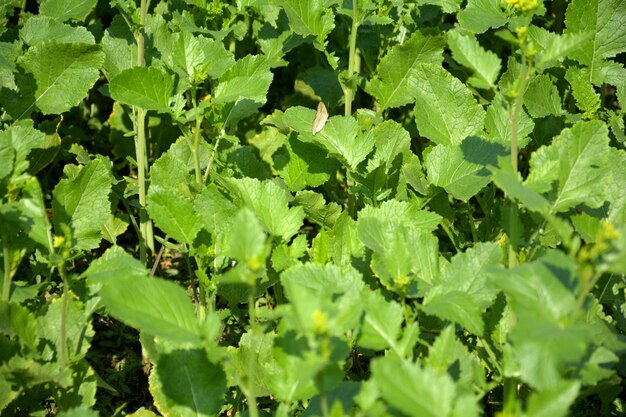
352, 58
145, 224
249, 387
63, 330
196, 138
6, 282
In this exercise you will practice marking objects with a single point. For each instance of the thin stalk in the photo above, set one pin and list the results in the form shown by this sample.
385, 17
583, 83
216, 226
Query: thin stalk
6, 282
63, 330
145, 224
196, 138
249, 388
352, 58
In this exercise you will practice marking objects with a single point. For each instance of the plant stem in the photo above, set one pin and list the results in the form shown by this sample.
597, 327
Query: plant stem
145, 224
249, 389
196, 138
63, 330
352, 58
6, 281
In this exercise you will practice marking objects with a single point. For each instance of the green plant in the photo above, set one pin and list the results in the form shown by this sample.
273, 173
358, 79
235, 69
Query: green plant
453, 244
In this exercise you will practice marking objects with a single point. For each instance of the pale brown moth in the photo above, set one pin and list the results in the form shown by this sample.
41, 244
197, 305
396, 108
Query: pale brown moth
320, 118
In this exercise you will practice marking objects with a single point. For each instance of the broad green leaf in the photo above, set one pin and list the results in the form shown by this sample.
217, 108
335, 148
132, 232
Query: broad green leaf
309, 17
22, 139
403, 212
185, 383
461, 169
156, 306
548, 353
271, 205
391, 140
39, 29
481, 15
16, 320
114, 262
9, 52
145, 87
343, 241
391, 87
303, 164
25, 222
617, 162
415, 390
542, 97
583, 91
485, 65
382, 323
173, 214
78, 329
498, 125
120, 49
316, 209
340, 136
449, 354
64, 10
324, 299
514, 188
249, 78
456, 306
577, 161
603, 19
535, 291
447, 6
82, 201
197, 55
553, 402
247, 240
64, 73
445, 110
553, 47
252, 372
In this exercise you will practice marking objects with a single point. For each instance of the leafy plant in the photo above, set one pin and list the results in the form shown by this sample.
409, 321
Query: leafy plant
452, 243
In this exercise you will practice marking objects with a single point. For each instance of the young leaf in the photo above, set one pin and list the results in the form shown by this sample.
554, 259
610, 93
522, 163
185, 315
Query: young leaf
158, 307
39, 29
468, 52
173, 213
145, 87
481, 15
542, 97
82, 201
445, 110
394, 72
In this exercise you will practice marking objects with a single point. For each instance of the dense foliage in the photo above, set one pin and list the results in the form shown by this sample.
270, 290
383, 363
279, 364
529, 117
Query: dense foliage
178, 239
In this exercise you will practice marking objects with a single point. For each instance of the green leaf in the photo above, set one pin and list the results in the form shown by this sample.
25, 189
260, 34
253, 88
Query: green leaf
382, 323
82, 201
395, 71
542, 97
311, 17
114, 262
603, 19
461, 169
185, 383
173, 214
324, 298
197, 55
9, 52
247, 239
39, 29
271, 205
457, 306
583, 91
481, 15
498, 125
485, 65
577, 163
120, 49
445, 110
145, 87
391, 140
16, 320
303, 165
64, 10
552, 47
81, 411
64, 73
156, 306
553, 402
413, 389
249, 78
316, 209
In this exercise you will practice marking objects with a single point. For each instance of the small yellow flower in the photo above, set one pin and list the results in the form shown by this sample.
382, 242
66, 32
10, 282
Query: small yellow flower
58, 241
320, 322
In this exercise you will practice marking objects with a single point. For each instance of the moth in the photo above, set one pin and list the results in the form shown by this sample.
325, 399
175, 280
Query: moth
320, 118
